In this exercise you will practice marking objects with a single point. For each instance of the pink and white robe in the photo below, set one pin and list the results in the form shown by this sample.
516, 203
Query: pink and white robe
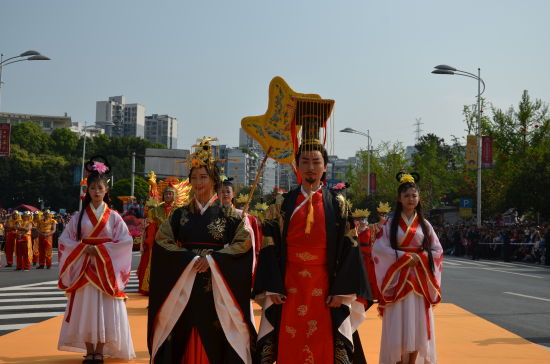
407, 293
96, 311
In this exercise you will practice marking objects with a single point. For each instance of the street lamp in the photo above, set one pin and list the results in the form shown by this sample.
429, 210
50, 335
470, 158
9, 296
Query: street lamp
84, 156
26, 56
443, 69
369, 144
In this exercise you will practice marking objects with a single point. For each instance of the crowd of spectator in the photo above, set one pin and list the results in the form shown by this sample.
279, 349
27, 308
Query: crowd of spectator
529, 243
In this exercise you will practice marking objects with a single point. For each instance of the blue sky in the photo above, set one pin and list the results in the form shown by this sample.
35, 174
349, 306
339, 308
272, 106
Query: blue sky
209, 63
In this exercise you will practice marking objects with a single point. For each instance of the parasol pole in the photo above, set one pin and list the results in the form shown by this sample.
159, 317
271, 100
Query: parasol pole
245, 208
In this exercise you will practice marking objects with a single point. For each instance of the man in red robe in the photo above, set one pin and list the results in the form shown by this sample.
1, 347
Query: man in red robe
310, 273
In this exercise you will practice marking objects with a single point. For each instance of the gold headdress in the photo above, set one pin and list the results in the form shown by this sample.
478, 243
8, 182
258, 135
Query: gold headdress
359, 213
407, 178
383, 208
203, 153
288, 115
156, 190
292, 122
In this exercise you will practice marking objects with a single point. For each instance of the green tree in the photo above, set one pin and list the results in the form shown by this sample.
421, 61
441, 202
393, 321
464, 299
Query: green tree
123, 187
65, 143
438, 165
386, 161
29, 136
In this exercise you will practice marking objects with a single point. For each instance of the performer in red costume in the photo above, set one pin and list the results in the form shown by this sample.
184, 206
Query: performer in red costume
408, 259
155, 217
310, 272
366, 241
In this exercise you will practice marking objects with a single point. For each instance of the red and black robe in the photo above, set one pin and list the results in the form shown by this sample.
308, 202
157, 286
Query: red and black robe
330, 263
201, 317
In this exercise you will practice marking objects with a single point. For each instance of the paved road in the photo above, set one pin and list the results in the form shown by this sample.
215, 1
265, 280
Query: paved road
514, 296
30, 297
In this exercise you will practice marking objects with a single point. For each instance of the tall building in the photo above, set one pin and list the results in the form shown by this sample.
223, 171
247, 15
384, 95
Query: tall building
162, 129
337, 168
128, 119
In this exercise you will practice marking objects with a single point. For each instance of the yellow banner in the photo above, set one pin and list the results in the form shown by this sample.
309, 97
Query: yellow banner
465, 212
471, 152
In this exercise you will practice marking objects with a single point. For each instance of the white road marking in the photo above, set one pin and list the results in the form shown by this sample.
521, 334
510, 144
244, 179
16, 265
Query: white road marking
15, 326
48, 288
524, 295
445, 262
30, 307
519, 274
26, 285
15, 294
29, 315
37, 299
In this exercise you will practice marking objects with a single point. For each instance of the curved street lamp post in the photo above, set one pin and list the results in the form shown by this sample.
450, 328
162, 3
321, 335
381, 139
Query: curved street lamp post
25, 56
443, 69
369, 144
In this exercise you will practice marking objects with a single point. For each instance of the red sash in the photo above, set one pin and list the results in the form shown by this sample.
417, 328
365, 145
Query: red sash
407, 283
101, 274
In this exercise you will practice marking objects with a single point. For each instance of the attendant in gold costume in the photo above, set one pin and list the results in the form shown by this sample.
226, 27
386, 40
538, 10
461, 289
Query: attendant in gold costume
155, 217
46, 228
36, 217
10, 231
23, 247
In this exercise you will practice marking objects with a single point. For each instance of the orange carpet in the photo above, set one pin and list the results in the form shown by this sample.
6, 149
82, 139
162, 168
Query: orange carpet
461, 338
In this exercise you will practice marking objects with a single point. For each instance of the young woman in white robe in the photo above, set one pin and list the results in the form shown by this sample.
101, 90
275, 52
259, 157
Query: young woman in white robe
95, 254
408, 263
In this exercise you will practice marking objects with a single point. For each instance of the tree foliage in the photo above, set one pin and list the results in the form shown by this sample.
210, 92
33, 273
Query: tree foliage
45, 167
519, 178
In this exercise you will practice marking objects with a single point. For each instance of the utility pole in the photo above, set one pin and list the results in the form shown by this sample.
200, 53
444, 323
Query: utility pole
418, 130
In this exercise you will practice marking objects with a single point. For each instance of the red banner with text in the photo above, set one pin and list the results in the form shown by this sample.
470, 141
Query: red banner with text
5, 131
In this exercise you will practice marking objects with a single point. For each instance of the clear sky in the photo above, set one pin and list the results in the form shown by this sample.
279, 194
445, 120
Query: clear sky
208, 63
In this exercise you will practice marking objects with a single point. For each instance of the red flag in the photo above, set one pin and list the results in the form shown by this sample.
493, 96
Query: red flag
487, 152
372, 183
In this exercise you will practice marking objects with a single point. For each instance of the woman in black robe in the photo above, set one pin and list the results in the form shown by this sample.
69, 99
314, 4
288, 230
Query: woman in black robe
201, 271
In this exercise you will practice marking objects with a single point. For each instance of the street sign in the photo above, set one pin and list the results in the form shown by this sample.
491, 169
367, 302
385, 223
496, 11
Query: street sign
466, 203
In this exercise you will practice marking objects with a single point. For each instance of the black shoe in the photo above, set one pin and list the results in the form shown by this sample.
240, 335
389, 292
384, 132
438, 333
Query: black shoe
48, 267
18, 269
34, 264
40, 267
88, 359
98, 358
8, 265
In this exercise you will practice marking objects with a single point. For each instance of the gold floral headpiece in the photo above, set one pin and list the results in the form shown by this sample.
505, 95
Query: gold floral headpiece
406, 178
403, 177
242, 198
360, 213
383, 208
